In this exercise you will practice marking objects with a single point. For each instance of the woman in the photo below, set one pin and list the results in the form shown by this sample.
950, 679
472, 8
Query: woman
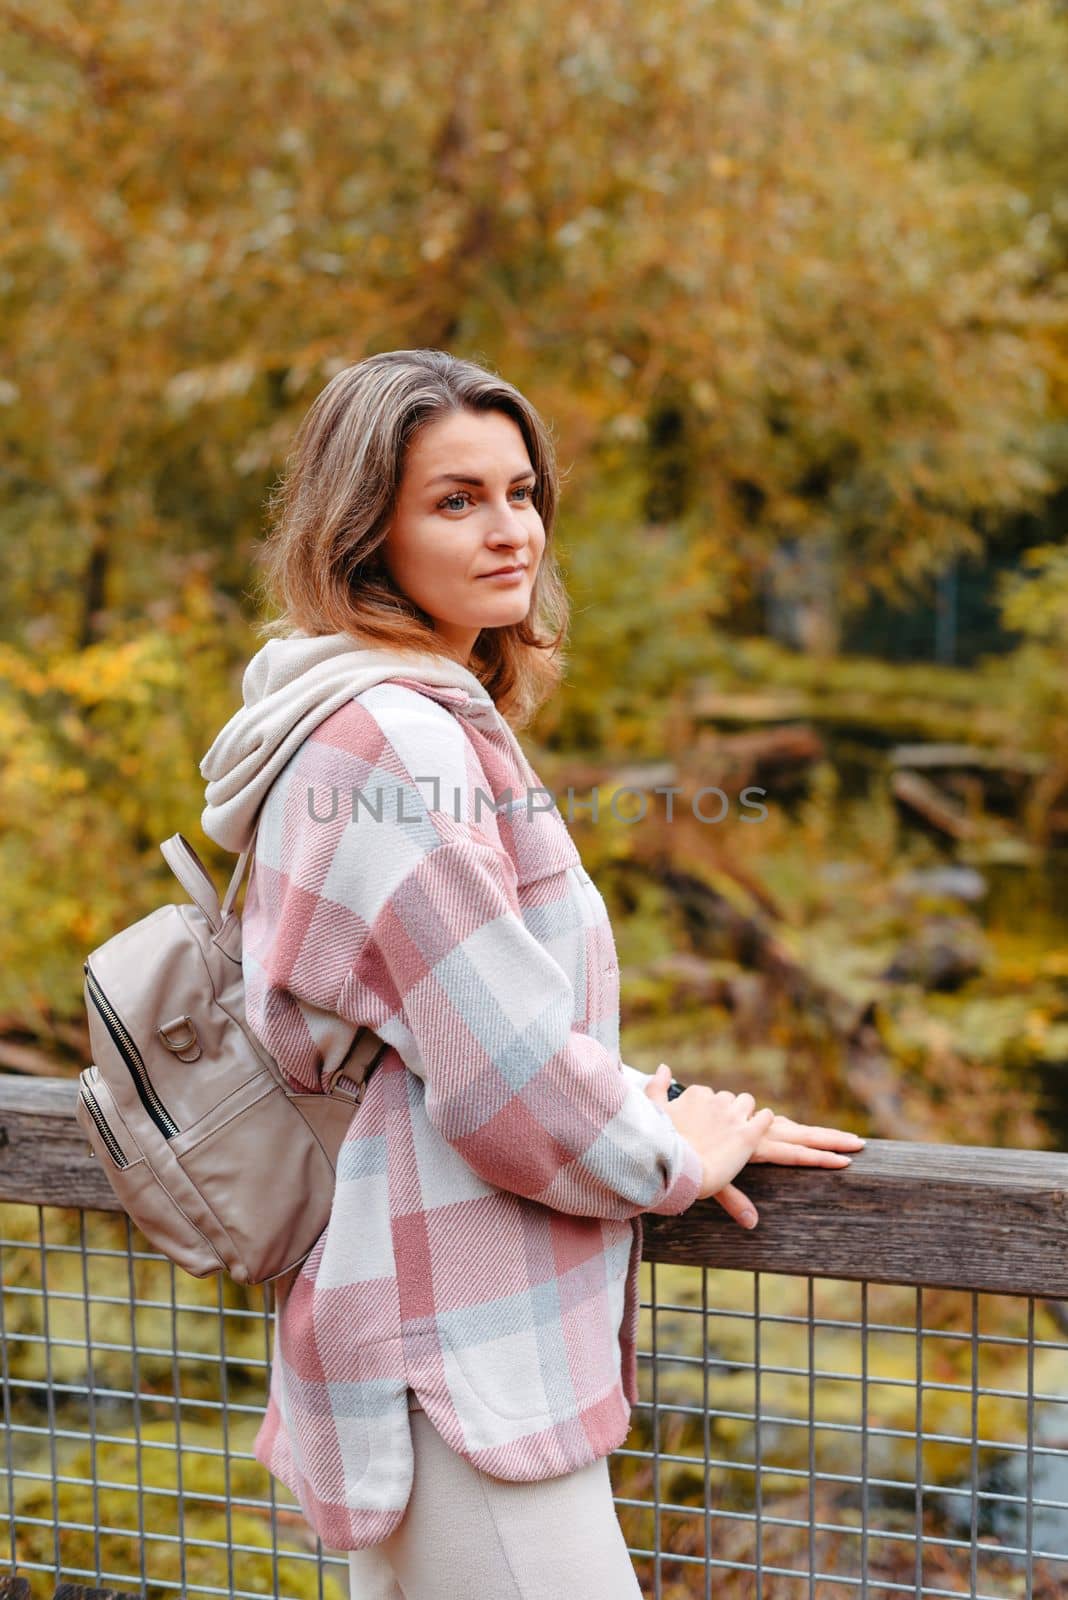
455, 1360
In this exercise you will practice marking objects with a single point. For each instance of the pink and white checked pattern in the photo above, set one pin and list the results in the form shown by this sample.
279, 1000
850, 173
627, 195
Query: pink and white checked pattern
485, 1237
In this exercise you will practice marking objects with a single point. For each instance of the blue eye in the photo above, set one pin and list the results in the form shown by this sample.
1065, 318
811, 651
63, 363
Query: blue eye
462, 495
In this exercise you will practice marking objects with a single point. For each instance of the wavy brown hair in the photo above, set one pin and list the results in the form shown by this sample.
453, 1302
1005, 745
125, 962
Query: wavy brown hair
330, 513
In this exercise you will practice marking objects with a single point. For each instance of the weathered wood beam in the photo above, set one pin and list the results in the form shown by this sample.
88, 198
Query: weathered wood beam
965, 1217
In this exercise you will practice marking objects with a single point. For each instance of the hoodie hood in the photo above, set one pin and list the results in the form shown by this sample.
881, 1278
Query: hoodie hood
288, 688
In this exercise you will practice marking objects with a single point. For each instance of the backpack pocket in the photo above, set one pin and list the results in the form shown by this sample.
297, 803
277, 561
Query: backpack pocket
265, 1175
151, 1207
95, 1098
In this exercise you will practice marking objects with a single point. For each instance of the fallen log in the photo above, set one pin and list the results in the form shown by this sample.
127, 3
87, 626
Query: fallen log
761, 754
932, 804
965, 755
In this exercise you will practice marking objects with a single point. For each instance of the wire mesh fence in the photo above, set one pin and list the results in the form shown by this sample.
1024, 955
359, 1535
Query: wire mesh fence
809, 1437
796, 1435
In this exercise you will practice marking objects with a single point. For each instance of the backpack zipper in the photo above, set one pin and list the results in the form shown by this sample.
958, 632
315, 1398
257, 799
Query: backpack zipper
92, 1105
132, 1057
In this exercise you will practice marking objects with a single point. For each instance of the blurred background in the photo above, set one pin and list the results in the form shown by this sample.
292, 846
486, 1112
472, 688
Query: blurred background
789, 281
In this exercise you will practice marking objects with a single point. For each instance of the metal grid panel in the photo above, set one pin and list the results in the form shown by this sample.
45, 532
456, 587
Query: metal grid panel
795, 1437
810, 1439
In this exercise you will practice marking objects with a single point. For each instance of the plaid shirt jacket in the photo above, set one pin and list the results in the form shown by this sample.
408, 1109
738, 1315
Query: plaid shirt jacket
485, 1237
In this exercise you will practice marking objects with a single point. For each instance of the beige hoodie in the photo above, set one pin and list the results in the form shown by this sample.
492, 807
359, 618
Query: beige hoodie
289, 687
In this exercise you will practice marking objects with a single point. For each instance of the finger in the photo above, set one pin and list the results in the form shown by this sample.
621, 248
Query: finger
737, 1205
828, 1138
746, 1104
786, 1154
758, 1125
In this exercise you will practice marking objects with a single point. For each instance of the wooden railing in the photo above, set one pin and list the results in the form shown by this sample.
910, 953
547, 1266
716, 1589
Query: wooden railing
966, 1217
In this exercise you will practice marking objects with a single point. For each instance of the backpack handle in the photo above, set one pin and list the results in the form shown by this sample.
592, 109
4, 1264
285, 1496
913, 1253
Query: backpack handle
195, 879
193, 876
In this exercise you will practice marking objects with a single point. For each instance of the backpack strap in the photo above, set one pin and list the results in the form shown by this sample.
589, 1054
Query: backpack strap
349, 1077
363, 1057
238, 873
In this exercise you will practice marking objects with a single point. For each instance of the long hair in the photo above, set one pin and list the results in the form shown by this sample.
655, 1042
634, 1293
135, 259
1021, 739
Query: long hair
330, 513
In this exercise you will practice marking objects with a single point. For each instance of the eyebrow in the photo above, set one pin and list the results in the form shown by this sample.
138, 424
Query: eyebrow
459, 477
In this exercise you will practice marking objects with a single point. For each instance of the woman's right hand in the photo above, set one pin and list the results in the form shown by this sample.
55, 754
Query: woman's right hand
725, 1129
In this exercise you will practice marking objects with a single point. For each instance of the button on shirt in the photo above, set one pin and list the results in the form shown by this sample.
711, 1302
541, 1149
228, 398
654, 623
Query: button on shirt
485, 1237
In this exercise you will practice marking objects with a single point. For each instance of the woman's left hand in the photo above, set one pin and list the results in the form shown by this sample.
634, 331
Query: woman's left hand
786, 1144
796, 1144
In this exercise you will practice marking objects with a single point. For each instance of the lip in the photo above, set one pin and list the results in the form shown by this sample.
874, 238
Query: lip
514, 571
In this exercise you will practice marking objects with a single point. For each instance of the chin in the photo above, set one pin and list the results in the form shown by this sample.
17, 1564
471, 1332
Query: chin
504, 617
510, 607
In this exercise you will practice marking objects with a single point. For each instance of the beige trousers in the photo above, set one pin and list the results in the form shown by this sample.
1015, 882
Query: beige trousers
468, 1536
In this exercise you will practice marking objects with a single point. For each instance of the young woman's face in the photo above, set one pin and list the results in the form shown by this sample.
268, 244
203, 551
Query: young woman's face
466, 509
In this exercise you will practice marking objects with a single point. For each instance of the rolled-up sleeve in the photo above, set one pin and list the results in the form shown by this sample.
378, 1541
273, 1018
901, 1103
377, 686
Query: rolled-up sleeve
483, 1015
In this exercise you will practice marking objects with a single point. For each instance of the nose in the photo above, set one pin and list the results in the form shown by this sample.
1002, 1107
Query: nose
512, 534
509, 533
508, 538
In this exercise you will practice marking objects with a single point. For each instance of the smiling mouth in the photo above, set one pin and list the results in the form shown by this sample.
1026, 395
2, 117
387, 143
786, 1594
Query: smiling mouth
503, 572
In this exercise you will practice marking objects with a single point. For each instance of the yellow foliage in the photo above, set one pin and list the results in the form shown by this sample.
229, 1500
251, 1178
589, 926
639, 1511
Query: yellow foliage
102, 762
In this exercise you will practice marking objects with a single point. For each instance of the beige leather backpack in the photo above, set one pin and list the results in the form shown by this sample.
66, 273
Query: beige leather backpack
219, 1162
